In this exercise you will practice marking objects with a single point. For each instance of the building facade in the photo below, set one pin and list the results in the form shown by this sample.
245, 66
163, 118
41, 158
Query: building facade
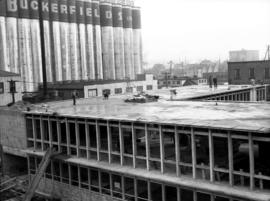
243, 55
245, 72
84, 40
6, 86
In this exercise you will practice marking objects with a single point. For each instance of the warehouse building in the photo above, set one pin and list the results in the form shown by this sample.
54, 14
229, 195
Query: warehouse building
84, 40
247, 72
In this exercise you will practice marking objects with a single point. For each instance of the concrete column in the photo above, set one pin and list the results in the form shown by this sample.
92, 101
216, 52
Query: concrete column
230, 150
253, 94
147, 148
177, 152
121, 138
193, 149
58, 135
133, 145
98, 140
251, 161
211, 155
77, 137
161, 140
87, 140
109, 136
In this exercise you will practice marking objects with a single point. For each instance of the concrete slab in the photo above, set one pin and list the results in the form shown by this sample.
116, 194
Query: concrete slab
241, 116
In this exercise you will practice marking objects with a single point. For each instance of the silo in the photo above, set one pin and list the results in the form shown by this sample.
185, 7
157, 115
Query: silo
35, 43
25, 50
80, 12
137, 40
89, 40
12, 35
48, 44
118, 34
97, 40
74, 49
128, 41
64, 39
3, 36
107, 41
54, 14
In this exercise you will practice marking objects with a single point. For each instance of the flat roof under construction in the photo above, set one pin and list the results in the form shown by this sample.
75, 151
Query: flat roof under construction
236, 116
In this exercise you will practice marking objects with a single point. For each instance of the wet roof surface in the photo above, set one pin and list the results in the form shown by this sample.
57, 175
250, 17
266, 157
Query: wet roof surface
240, 116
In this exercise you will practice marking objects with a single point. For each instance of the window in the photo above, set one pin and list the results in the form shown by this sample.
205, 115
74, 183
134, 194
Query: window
251, 73
117, 186
149, 87
142, 190
266, 74
237, 74
139, 88
82, 135
105, 183
156, 191
72, 133
129, 188
129, 89
118, 90
29, 128
170, 193
106, 91
94, 180
1, 87
84, 177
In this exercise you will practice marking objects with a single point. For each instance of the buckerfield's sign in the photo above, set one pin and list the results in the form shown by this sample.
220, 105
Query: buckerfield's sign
56, 10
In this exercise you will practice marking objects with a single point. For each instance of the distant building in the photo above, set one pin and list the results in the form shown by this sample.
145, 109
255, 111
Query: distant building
244, 72
5, 87
243, 55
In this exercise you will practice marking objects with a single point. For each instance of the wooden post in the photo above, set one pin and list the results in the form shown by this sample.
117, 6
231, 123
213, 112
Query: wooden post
211, 155
177, 151
163, 192
50, 131
161, 140
89, 178
193, 149
251, 161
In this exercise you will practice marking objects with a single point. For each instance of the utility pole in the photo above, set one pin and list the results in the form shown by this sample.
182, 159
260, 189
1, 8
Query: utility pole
42, 43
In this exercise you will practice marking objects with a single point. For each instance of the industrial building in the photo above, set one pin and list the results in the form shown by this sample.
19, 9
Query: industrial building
247, 72
83, 40
112, 150
10, 88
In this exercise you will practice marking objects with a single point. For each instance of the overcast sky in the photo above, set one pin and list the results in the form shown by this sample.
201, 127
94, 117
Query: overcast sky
202, 29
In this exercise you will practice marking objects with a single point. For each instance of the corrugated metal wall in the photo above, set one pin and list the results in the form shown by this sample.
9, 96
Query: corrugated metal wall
84, 40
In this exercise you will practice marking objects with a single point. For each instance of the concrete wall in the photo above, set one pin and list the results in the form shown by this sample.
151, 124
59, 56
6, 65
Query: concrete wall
70, 193
12, 131
259, 68
14, 165
6, 97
